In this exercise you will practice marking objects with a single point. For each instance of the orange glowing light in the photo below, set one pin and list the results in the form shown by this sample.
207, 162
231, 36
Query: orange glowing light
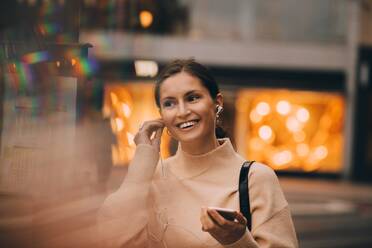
283, 107
106, 111
303, 115
292, 130
255, 117
299, 136
114, 98
302, 149
282, 158
58, 63
126, 109
256, 144
146, 18
265, 132
130, 138
73, 62
321, 152
263, 108
119, 124
293, 124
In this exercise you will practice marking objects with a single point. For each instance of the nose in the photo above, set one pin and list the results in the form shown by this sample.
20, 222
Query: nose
183, 110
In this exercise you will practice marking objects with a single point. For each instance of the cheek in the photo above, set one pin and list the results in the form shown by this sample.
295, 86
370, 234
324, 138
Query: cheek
207, 113
167, 118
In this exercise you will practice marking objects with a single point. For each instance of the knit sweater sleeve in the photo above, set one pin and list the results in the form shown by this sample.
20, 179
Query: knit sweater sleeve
272, 224
123, 217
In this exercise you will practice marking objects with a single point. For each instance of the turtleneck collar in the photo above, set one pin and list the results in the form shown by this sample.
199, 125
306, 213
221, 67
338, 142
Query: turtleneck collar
186, 165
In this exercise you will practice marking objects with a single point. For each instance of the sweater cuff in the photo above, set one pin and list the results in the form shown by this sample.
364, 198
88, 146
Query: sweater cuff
143, 164
245, 241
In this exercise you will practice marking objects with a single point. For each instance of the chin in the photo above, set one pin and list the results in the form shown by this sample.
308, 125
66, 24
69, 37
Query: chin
191, 137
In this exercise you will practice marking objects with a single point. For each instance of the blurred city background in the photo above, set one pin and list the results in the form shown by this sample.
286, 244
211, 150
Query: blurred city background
77, 77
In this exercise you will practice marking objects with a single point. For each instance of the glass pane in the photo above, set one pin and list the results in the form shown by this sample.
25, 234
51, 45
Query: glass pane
291, 130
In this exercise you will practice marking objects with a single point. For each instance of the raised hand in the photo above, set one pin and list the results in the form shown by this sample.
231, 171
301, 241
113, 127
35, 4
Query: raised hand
145, 134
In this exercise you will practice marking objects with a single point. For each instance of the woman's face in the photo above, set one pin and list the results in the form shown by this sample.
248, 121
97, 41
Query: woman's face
187, 108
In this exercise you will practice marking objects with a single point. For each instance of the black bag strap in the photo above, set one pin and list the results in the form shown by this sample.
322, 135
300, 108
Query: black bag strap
245, 207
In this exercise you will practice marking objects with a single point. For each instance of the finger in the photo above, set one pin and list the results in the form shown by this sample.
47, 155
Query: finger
157, 138
207, 222
241, 219
150, 126
217, 218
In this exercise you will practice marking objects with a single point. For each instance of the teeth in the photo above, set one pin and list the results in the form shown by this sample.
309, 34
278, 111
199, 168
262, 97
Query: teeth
187, 124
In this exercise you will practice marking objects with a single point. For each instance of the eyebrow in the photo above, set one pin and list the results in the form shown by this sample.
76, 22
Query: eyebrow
186, 94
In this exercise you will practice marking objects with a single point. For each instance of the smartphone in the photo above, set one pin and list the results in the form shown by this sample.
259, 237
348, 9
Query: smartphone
227, 213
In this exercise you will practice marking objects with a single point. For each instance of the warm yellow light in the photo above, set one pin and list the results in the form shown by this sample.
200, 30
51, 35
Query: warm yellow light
256, 144
265, 132
106, 111
302, 149
73, 62
263, 108
114, 98
119, 124
293, 124
58, 63
255, 117
283, 107
126, 109
303, 115
146, 18
283, 157
299, 136
130, 138
115, 155
321, 152
146, 68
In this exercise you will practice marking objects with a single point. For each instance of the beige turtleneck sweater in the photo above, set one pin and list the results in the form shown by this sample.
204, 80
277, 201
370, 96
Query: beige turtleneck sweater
159, 204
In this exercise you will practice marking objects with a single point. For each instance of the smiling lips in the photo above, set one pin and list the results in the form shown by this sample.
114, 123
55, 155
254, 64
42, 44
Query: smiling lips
187, 124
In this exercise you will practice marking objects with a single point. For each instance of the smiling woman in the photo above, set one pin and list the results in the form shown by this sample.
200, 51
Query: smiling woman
174, 203
188, 111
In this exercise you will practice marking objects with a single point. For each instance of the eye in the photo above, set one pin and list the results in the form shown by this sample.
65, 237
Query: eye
167, 104
192, 98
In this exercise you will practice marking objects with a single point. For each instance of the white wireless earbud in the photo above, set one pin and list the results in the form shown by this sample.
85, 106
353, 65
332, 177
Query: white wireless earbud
219, 110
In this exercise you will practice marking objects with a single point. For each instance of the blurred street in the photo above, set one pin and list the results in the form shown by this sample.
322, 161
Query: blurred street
330, 213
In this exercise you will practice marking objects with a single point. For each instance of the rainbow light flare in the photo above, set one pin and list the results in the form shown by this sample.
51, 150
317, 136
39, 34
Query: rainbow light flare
36, 57
49, 28
87, 67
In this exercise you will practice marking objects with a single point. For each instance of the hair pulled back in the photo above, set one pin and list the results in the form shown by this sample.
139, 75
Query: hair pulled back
195, 69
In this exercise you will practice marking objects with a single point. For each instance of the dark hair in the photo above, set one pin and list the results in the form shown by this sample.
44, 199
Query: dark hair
195, 69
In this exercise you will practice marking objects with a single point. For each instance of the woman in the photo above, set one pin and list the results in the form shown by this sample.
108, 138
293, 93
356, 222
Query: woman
167, 203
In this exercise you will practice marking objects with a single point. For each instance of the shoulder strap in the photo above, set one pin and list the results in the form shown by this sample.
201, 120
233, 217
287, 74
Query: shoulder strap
244, 192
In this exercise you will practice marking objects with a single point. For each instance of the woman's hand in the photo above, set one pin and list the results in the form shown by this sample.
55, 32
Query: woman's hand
146, 132
224, 231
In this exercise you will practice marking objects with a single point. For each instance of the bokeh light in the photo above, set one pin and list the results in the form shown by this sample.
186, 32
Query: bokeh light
263, 108
303, 115
146, 18
283, 107
304, 133
265, 132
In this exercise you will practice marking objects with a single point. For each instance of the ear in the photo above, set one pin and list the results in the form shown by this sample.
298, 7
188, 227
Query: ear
219, 99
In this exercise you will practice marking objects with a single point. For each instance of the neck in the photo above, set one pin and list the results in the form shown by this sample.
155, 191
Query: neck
200, 146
